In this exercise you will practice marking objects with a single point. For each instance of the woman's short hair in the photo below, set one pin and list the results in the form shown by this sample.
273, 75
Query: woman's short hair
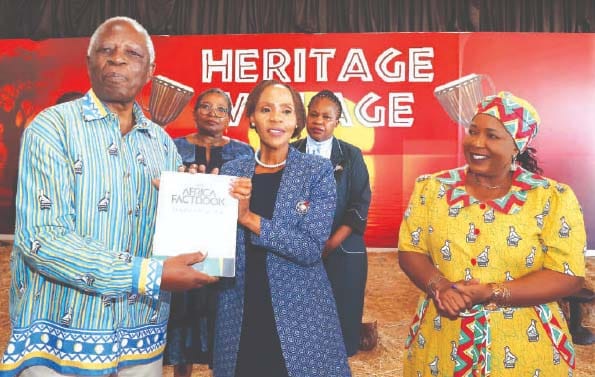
213, 91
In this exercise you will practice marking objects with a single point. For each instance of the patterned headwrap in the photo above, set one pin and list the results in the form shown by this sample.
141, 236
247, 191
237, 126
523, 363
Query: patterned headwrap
518, 116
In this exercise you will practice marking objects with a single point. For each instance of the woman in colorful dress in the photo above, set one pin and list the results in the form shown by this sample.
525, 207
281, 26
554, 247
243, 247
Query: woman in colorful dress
277, 317
192, 316
493, 244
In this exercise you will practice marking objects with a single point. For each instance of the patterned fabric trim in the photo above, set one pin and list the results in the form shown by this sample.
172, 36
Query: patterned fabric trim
137, 275
473, 353
94, 109
554, 331
473, 356
153, 278
511, 203
146, 275
415, 324
517, 115
72, 351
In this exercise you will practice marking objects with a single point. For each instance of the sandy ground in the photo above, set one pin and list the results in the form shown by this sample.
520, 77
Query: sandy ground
390, 300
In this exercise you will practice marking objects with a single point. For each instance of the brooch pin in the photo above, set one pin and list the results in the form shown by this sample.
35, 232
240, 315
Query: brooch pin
302, 207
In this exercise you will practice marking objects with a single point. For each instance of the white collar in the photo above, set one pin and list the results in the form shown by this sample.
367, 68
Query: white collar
321, 148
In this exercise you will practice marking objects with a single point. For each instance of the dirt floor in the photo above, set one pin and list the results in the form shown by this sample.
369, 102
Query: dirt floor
390, 300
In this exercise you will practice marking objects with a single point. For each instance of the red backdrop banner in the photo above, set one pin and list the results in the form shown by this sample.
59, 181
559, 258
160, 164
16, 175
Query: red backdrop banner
385, 80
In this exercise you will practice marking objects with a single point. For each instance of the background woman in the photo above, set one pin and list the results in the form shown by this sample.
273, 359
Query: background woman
209, 146
345, 257
494, 245
277, 317
192, 316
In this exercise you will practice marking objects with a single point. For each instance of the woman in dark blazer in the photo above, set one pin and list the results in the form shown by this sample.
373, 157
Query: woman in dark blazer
344, 254
277, 317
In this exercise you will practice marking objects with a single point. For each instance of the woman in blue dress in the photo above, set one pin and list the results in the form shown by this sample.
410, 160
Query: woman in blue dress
277, 317
192, 315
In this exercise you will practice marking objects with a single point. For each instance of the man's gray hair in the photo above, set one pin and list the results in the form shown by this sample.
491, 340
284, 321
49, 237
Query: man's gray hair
135, 24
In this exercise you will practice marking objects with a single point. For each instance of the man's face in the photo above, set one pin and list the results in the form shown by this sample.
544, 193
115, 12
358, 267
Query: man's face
119, 63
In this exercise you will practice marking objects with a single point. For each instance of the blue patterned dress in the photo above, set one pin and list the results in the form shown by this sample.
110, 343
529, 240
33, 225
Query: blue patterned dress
302, 300
347, 265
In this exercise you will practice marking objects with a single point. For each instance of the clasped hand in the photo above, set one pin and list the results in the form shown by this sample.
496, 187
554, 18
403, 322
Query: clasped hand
453, 298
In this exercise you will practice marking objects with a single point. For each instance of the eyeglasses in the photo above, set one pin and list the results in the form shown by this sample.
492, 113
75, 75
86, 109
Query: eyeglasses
206, 108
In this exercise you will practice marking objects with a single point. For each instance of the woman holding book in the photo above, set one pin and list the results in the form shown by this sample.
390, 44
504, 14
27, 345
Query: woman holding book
277, 317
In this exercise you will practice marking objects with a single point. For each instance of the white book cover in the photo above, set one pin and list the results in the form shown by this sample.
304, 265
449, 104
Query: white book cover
195, 212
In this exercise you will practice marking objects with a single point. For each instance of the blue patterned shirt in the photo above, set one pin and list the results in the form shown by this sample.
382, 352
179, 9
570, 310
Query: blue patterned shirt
85, 293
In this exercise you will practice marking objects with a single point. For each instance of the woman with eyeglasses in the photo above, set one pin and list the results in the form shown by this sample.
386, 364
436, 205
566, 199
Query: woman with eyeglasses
345, 257
277, 317
209, 148
192, 315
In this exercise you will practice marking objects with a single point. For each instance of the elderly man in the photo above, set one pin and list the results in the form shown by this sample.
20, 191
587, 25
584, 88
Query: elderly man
86, 296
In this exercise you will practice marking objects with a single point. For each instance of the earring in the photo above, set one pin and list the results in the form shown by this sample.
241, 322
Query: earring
252, 125
513, 163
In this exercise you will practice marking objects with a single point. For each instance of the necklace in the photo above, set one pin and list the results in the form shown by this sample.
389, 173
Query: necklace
271, 166
489, 187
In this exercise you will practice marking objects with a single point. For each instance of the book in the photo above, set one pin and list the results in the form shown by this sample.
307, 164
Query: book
195, 212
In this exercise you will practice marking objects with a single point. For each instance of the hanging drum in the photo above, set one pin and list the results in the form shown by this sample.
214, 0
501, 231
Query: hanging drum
168, 99
459, 98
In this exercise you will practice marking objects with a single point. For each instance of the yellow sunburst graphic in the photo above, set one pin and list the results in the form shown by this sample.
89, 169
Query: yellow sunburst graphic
356, 134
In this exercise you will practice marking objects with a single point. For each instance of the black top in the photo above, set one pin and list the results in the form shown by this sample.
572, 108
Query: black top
260, 350
215, 161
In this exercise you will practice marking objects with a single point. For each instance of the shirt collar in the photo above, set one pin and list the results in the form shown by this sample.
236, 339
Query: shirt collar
325, 147
522, 181
94, 109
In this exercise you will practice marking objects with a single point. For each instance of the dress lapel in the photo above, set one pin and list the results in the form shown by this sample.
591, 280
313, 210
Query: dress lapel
292, 181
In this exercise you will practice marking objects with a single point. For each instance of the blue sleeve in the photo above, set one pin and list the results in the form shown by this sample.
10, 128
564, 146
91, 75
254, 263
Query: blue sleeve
45, 236
303, 244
